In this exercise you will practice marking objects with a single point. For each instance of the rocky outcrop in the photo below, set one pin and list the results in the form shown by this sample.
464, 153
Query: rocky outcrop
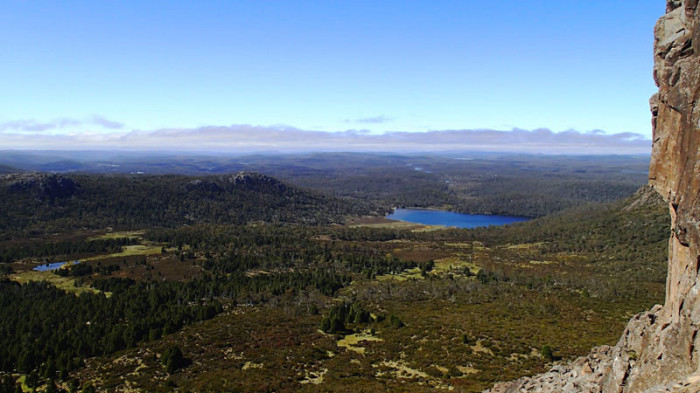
659, 350
252, 180
668, 347
43, 186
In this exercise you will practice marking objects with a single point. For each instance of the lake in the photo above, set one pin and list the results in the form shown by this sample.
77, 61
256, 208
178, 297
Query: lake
451, 219
51, 266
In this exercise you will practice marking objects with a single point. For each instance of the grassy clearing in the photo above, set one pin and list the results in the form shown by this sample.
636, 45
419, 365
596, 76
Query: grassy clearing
390, 225
350, 341
525, 246
532, 262
399, 369
64, 283
479, 347
139, 249
22, 380
410, 274
429, 228
119, 235
454, 264
314, 377
459, 245
252, 365
385, 223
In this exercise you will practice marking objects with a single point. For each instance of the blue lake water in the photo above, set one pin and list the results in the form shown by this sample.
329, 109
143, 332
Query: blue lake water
51, 266
451, 219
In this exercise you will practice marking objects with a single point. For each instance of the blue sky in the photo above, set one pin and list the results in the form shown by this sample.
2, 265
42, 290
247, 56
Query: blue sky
87, 73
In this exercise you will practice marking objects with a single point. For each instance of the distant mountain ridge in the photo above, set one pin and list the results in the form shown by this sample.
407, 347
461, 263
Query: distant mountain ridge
4, 169
504, 184
279, 165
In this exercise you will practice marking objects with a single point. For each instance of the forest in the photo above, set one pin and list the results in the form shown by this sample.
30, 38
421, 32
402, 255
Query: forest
247, 283
490, 183
37, 202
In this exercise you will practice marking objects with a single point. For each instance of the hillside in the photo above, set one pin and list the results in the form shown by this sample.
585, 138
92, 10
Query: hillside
4, 169
405, 309
50, 202
490, 183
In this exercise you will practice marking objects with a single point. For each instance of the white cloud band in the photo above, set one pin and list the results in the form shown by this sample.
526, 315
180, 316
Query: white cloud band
246, 139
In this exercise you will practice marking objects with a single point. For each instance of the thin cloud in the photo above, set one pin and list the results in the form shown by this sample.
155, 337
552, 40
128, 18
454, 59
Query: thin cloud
36, 126
248, 138
30, 125
101, 121
372, 120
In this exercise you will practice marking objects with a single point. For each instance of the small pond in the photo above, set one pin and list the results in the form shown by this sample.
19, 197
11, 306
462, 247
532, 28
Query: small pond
51, 266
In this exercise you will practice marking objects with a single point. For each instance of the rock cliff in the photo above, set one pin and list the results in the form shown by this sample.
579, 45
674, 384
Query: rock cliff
659, 350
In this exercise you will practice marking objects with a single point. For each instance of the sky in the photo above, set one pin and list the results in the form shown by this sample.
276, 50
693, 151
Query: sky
522, 75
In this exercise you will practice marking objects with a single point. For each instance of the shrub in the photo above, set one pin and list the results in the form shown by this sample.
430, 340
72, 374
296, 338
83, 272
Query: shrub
547, 353
172, 359
395, 322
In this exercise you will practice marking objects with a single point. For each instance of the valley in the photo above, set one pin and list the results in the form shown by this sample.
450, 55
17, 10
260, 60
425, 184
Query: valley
306, 291
478, 197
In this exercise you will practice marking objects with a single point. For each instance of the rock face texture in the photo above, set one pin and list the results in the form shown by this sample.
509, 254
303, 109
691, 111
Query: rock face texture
659, 350
668, 349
